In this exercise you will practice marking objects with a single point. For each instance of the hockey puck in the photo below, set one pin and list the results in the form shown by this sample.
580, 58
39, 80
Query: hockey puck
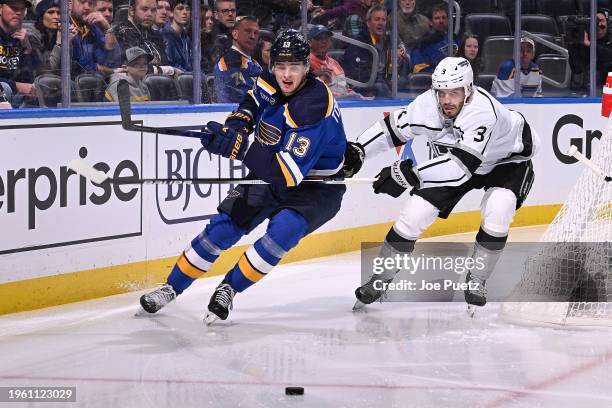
294, 390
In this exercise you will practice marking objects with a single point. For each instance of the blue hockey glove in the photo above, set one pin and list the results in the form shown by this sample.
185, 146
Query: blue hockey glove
395, 179
224, 141
240, 121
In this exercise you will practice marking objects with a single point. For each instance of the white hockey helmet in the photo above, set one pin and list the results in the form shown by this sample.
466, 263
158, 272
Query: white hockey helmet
454, 72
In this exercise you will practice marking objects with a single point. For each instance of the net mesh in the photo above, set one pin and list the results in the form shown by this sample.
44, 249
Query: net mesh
572, 284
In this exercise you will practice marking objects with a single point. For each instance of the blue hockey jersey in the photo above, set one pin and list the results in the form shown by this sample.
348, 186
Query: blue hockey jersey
296, 136
235, 74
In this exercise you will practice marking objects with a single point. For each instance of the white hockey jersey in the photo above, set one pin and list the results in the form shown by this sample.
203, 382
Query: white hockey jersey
483, 135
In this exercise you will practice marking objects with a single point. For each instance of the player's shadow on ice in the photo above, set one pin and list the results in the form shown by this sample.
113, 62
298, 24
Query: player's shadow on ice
176, 329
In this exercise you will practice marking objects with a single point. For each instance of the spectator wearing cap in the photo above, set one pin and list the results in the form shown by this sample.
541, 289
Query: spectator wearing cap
16, 62
137, 61
178, 42
531, 76
236, 71
138, 32
325, 67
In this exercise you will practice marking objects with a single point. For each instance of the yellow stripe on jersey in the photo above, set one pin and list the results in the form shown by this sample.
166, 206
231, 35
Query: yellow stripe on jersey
288, 177
248, 270
330, 101
243, 62
290, 120
222, 64
269, 88
188, 269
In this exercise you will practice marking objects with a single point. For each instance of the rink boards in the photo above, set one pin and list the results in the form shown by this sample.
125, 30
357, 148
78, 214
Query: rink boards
64, 239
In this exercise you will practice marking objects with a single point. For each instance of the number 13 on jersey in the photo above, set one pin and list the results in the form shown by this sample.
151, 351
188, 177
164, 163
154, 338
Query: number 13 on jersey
298, 144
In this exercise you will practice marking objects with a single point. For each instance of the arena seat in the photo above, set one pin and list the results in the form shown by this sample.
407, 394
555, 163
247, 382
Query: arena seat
485, 25
90, 88
162, 88
49, 90
539, 23
485, 81
416, 83
556, 8
184, 83
495, 50
477, 6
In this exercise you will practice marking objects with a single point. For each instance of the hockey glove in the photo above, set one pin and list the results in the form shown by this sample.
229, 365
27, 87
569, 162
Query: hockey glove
224, 141
240, 121
354, 155
395, 179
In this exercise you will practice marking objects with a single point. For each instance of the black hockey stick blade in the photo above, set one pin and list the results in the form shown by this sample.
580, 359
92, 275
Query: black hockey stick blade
125, 107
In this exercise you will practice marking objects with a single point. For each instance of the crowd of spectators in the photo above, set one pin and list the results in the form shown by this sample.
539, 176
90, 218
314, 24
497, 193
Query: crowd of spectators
115, 40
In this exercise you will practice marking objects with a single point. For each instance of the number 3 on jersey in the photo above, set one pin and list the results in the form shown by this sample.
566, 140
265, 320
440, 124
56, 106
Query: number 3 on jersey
298, 145
481, 134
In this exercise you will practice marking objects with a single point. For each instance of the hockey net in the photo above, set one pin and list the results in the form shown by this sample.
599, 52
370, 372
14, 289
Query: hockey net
568, 281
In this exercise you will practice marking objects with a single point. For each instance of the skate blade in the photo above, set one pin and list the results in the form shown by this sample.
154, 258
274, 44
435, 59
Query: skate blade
471, 310
359, 305
142, 313
210, 318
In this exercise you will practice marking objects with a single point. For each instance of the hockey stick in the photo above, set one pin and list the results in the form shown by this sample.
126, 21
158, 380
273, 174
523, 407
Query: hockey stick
573, 151
125, 108
99, 177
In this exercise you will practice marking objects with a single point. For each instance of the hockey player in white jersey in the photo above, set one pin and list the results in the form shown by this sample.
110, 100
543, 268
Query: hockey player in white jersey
476, 143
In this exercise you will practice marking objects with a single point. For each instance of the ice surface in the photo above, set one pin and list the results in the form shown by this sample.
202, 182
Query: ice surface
296, 327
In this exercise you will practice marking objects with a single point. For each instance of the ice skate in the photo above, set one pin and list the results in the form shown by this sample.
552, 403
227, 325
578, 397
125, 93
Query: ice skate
476, 294
160, 297
367, 294
220, 303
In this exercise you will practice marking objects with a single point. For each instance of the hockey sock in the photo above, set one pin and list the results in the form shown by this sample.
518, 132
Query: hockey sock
394, 245
220, 234
284, 232
489, 249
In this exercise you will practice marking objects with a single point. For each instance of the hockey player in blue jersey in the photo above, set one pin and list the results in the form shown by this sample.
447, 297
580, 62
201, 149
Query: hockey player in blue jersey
298, 134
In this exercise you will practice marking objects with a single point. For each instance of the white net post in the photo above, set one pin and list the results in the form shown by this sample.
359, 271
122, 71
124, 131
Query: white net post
561, 273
